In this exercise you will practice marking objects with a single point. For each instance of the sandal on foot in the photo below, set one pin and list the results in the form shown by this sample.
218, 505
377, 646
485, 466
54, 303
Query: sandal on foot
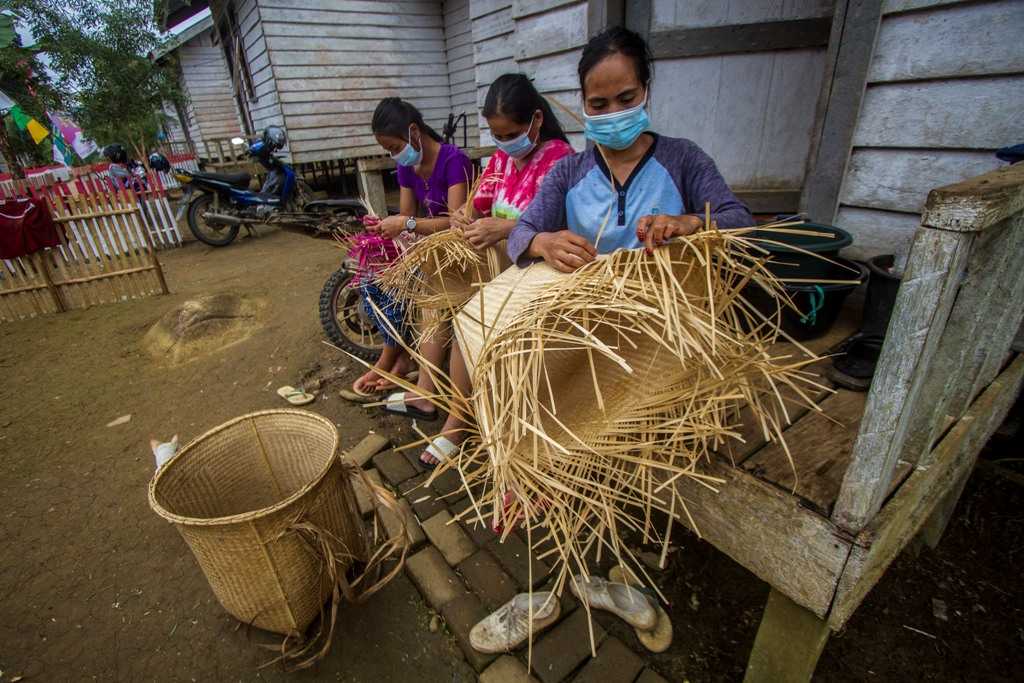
356, 396
659, 638
623, 601
297, 397
396, 403
510, 626
441, 448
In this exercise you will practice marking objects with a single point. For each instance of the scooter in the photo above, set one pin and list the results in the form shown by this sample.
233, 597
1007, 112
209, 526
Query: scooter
225, 203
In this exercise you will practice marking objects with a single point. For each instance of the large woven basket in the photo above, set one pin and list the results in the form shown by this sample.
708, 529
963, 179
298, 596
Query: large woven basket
239, 495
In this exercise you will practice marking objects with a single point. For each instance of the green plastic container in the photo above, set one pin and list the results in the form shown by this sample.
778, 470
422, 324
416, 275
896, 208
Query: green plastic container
787, 263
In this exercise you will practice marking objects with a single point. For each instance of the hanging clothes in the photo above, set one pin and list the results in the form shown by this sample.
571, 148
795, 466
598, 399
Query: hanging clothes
26, 226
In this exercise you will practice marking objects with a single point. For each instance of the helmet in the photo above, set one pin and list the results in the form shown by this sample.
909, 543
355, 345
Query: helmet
274, 138
115, 153
158, 162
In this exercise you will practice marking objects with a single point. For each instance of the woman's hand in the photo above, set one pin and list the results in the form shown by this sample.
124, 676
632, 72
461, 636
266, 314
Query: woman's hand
654, 231
563, 250
484, 232
392, 226
459, 219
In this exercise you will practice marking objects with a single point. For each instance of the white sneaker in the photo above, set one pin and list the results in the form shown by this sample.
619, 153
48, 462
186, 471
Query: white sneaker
509, 626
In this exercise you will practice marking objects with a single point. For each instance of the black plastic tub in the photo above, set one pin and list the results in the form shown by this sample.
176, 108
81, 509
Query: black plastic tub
818, 304
788, 263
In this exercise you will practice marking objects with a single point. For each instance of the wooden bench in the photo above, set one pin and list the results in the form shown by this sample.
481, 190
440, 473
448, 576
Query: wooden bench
889, 465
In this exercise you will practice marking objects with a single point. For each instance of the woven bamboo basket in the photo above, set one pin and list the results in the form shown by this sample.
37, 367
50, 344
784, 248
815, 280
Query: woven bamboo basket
245, 496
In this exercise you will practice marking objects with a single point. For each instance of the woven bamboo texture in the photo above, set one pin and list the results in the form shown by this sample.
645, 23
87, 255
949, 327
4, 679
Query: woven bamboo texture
105, 256
242, 493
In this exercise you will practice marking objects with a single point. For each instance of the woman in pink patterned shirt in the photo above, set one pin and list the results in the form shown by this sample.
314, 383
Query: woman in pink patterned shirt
530, 141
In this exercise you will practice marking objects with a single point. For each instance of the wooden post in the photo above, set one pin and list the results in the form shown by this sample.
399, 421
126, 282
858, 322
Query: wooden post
371, 186
788, 643
44, 268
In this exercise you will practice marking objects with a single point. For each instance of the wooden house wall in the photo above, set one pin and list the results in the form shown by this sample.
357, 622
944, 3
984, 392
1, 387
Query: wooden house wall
754, 112
945, 89
265, 106
458, 39
212, 111
333, 60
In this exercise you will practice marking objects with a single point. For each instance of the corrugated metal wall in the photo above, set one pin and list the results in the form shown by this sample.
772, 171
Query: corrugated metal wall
945, 89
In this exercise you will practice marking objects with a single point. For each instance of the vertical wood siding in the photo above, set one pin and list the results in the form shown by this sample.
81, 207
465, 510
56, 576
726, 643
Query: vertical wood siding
945, 89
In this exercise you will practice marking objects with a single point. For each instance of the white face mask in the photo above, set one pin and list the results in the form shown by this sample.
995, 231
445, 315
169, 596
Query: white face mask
520, 146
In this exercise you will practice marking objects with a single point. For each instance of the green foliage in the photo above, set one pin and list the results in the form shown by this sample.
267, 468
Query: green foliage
100, 51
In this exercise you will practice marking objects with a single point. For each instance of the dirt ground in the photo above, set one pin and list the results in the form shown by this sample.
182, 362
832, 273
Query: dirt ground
94, 585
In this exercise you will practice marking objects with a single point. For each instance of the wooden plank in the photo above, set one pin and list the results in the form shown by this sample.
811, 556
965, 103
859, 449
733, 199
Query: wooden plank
282, 29
895, 6
527, 8
701, 13
977, 203
788, 644
797, 551
876, 232
306, 16
916, 46
492, 25
900, 179
739, 38
480, 8
930, 283
879, 544
555, 31
930, 114
855, 26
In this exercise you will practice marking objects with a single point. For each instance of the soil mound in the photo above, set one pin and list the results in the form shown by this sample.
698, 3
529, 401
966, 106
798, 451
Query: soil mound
201, 326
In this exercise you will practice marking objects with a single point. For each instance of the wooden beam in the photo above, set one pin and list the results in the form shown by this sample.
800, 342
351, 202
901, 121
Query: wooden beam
938, 260
788, 644
770, 201
787, 34
856, 21
638, 17
604, 13
897, 523
977, 203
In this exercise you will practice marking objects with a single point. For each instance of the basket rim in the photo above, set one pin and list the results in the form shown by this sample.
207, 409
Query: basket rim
252, 514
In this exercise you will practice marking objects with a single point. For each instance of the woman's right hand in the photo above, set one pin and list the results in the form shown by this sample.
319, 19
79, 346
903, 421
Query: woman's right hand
459, 219
563, 250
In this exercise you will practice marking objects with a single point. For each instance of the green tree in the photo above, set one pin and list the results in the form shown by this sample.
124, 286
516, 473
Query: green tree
100, 50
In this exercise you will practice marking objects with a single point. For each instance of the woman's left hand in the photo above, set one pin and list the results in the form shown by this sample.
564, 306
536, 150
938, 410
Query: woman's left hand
392, 226
485, 232
654, 231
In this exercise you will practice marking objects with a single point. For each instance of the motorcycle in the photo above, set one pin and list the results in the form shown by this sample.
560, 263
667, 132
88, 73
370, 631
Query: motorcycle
224, 203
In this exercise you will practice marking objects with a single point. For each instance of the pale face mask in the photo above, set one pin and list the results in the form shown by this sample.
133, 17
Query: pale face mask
409, 156
619, 129
520, 146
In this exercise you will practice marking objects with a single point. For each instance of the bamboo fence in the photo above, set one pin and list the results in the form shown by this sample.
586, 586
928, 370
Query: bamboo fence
105, 255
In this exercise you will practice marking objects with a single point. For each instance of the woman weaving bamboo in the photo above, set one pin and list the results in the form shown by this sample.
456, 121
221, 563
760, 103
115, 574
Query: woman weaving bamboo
632, 189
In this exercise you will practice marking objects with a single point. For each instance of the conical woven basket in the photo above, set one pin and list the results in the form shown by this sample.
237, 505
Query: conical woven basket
238, 494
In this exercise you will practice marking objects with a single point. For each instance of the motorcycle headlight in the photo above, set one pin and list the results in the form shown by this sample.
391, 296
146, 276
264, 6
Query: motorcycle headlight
182, 178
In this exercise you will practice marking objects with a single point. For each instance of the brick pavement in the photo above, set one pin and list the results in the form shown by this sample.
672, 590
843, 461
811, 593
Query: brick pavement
463, 571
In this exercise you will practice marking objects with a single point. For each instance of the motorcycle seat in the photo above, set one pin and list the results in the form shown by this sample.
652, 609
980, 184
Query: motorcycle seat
235, 179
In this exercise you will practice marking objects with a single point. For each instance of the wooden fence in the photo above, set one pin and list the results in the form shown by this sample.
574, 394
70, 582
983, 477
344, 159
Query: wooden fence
105, 255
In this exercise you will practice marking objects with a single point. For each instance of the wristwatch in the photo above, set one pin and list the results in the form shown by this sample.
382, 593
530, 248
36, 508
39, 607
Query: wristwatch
410, 224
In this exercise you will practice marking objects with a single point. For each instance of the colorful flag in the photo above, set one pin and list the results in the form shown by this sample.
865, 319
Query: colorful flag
73, 135
25, 122
61, 152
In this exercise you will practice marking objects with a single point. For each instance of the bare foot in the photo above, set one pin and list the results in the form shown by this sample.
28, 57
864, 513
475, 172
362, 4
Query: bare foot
400, 368
456, 437
367, 383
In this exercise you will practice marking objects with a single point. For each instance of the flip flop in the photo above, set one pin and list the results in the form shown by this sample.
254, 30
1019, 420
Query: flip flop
509, 626
408, 377
297, 397
623, 601
396, 404
659, 638
442, 448
356, 396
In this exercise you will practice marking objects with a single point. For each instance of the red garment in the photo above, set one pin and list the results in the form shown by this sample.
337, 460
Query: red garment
26, 226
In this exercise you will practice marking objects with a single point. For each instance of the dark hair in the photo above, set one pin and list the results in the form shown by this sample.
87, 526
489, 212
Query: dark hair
612, 40
513, 96
393, 116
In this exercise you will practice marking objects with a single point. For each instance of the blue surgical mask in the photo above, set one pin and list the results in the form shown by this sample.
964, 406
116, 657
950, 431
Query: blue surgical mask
518, 147
619, 129
409, 156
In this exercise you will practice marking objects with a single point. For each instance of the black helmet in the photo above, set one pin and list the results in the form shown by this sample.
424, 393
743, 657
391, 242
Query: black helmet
158, 162
116, 153
274, 138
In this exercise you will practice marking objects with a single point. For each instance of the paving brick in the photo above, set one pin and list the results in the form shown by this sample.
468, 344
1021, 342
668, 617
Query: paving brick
651, 676
413, 456
365, 499
461, 615
449, 538
371, 445
438, 583
394, 467
564, 647
615, 663
447, 483
506, 669
393, 525
423, 499
487, 579
515, 557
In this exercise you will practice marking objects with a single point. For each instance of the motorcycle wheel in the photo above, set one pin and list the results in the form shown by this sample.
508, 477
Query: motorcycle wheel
214, 235
343, 319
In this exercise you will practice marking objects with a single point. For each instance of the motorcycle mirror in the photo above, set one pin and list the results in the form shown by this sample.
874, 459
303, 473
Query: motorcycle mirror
237, 141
